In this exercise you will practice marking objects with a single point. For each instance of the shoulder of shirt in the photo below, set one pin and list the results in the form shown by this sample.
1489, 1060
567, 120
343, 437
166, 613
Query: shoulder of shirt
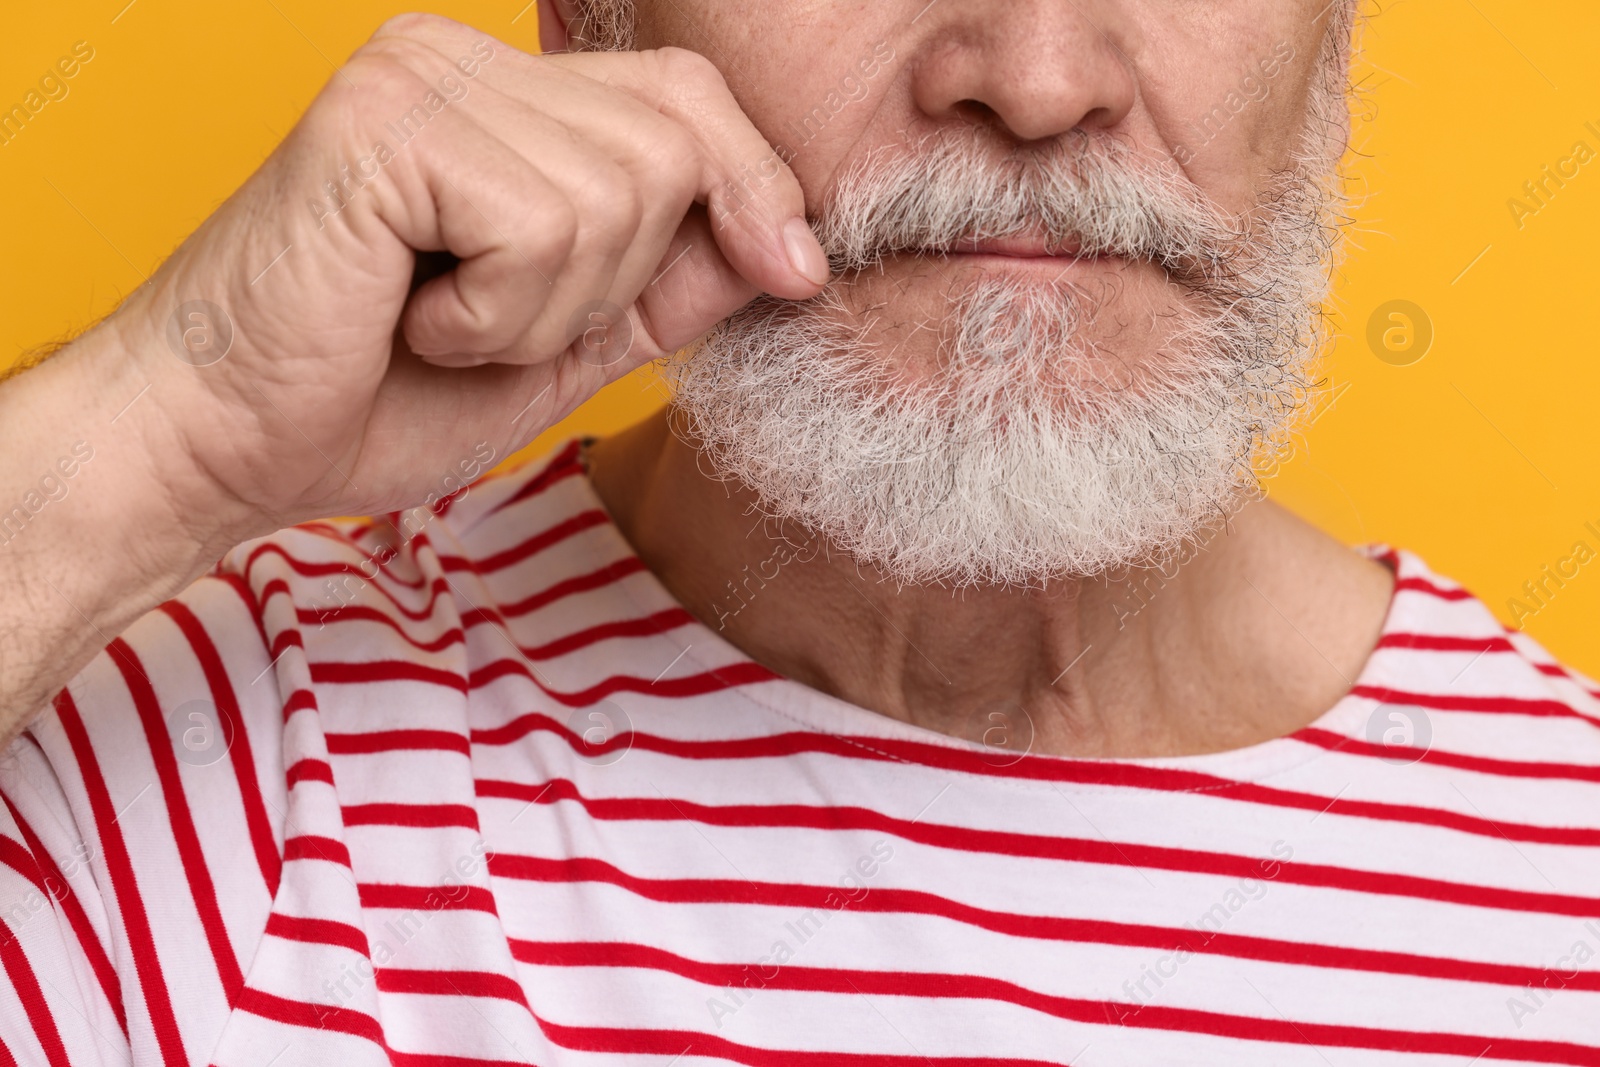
219, 624
1444, 647
506, 504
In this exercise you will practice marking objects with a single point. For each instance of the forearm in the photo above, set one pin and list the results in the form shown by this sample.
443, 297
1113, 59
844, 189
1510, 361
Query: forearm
91, 532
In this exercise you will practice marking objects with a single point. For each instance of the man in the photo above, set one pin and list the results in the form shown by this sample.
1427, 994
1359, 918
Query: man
926, 685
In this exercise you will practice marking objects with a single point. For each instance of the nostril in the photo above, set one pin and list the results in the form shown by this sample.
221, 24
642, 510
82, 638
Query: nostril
976, 111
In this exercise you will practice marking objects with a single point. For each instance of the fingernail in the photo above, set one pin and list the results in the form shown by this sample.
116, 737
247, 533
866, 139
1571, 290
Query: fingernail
805, 254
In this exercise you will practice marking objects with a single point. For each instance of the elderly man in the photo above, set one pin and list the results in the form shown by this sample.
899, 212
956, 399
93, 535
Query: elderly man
926, 684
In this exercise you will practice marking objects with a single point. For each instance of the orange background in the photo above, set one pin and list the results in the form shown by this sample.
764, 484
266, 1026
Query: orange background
1476, 456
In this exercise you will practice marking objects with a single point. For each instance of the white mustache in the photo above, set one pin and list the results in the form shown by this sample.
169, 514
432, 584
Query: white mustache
1087, 192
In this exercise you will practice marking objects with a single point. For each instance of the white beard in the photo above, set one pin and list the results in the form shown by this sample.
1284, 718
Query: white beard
1023, 454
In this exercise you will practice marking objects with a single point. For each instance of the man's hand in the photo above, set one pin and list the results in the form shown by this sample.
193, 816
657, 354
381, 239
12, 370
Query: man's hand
457, 244
567, 188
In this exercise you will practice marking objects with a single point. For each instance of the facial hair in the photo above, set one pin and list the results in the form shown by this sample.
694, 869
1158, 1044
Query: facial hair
1024, 454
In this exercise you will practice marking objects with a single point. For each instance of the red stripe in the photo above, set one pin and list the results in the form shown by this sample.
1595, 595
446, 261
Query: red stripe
352, 540
244, 767
317, 932
564, 464
1417, 584
583, 583
299, 700
26, 984
647, 626
427, 897
390, 670
536, 721
196, 872
308, 770
348, 1021
327, 527
93, 950
440, 586
1096, 1012
313, 847
561, 531
1500, 644
1046, 768
387, 670
442, 506
367, 613
361, 529
451, 984
1333, 742
437, 589
413, 1059
124, 886
676, 1043
416, 815
6, 1058
396, 740
14, 854
247, 596
1559, 671
285, 639
1038, 927
1500, 705
1444, 643
713, 681
274, 587
1065, 849
311, 1016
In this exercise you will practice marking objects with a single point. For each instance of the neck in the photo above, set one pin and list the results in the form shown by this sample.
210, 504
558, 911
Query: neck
1253, 635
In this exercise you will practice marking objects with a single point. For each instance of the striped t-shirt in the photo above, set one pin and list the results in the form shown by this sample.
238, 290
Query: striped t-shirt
477, 790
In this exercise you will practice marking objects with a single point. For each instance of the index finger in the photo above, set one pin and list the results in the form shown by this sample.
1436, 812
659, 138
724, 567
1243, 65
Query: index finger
755, 203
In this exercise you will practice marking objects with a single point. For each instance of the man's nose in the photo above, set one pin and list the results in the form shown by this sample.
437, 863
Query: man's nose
1037, 68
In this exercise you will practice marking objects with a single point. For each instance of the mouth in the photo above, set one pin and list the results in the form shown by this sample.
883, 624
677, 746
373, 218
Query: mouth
1024, 252
1020, 246
1029, 254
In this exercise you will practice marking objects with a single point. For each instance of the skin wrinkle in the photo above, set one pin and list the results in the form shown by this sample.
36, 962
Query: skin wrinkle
1131, 349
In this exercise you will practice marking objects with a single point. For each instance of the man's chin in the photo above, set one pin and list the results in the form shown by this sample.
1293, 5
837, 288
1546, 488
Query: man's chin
929, 501
965, 570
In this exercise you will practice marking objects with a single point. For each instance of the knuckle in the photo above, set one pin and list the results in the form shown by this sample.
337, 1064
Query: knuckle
680, 65
555, 229
389, 82
612, 204
412, 24
383, 80
492, 326
676, 157
411, 55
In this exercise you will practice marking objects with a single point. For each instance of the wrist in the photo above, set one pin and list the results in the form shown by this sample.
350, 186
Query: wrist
145, 389
92, 536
